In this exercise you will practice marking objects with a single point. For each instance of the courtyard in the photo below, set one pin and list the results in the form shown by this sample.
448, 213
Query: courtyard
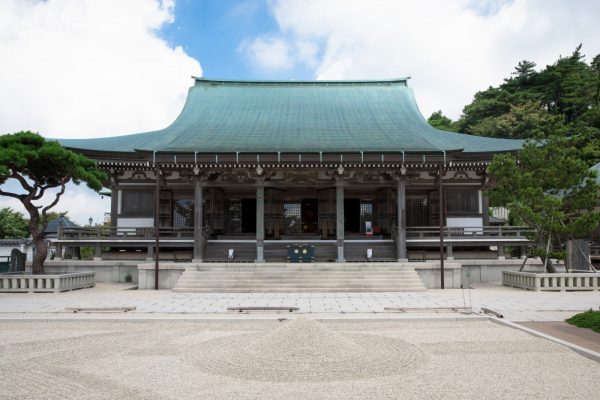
291, 359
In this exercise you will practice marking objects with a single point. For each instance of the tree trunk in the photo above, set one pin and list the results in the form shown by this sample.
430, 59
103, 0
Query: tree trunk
37, 234
39, 256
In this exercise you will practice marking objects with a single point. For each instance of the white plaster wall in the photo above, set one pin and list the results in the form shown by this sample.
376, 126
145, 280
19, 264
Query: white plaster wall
135, 222
6, 250
474, 223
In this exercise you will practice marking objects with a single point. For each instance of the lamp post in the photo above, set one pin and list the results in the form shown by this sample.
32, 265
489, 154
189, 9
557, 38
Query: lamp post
91, 221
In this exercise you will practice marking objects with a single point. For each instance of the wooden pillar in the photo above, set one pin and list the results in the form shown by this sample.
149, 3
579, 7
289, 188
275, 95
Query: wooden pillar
401, 220
449, 255
98, 250
59, 233
114, 206
501, 255
156, 226
339, 210
198, 221
150, 253
260, 221
485, 209
441, 195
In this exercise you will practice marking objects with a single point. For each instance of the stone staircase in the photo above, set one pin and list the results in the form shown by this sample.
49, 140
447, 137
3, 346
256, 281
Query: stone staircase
314, 277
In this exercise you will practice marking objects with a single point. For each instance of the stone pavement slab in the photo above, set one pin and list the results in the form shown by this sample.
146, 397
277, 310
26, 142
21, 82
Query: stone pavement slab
514, 304
583, 337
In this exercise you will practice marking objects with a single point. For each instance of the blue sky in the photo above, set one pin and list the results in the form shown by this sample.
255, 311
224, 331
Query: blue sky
212, 31
81, 68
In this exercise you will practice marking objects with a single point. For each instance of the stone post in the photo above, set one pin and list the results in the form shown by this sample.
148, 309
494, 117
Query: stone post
198, 221
339, 189
260, 221
401, 220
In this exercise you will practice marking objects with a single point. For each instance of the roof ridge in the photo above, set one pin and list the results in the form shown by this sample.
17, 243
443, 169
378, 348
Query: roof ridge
403, 80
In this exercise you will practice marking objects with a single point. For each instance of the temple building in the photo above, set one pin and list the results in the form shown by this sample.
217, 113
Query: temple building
350, 167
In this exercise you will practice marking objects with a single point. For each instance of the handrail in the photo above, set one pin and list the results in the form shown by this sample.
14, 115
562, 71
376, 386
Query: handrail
412, 232
469, 231
124, 232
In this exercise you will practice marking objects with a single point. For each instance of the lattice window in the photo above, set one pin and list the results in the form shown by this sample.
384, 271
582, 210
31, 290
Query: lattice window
292, 217
183, 213
417, 212
367, 213
233, 208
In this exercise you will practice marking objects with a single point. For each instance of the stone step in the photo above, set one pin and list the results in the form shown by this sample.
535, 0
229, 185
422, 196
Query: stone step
307, 270
300, 271
217, 280
299, 277
296, 290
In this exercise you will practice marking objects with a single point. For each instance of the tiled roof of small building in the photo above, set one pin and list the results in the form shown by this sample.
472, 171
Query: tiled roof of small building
298, 116
64, 221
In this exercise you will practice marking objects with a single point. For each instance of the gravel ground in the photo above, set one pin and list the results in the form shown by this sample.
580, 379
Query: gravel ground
287, 360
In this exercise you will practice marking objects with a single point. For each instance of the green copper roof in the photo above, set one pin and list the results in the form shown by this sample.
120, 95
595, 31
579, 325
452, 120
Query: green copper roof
293, 116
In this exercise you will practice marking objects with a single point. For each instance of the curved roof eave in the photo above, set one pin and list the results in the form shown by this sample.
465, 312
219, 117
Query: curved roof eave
229, 116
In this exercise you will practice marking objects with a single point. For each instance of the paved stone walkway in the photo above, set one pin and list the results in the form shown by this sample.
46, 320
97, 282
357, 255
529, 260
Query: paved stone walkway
514, 304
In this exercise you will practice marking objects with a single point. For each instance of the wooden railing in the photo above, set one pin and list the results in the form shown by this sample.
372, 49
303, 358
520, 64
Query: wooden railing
556, 282
413, 232
122, 233
427, 232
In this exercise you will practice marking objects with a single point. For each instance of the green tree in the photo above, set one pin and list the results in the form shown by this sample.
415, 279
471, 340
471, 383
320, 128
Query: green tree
549, 188
13, 224
528, 120
439, 121
40, 166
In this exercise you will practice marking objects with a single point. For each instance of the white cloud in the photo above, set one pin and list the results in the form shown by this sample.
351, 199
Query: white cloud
451, 48
268, 53
84, 68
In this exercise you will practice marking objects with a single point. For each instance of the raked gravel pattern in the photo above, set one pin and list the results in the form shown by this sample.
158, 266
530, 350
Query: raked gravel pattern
305, 350
257, 359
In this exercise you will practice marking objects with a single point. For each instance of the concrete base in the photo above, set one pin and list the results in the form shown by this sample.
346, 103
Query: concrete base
167, 277
483, 271
106, 271
429, 273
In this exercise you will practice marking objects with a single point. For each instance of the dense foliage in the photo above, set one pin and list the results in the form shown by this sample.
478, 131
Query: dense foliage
561, 98
41, 166
547, 187
13, 224
548, 184
589, 319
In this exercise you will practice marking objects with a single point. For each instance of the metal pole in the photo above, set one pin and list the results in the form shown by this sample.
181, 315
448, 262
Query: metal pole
156, 227
441, 173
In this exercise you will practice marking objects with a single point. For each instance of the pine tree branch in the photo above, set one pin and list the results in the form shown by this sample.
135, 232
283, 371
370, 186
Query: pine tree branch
63, 181
14, 195
23, 182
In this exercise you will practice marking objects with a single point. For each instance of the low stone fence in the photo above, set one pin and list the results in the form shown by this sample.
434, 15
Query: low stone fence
45, 283
558, 282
